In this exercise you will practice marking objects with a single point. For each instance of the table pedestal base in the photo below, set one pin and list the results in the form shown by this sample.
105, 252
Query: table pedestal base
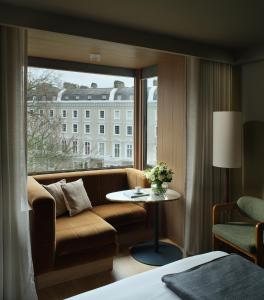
146, 253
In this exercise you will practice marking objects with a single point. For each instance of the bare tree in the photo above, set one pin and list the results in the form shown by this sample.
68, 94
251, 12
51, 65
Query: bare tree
47, 149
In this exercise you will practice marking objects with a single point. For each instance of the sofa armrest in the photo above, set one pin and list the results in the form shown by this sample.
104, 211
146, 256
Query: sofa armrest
42, 226
136, 178
219, 209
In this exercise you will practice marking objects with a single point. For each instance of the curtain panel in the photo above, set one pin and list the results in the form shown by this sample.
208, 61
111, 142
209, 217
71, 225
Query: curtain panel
16, 270
209, 88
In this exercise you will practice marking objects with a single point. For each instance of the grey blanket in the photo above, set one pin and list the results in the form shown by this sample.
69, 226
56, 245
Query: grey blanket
227, 278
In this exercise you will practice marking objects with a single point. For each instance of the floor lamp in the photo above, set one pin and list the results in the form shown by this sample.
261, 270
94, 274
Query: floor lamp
227, 143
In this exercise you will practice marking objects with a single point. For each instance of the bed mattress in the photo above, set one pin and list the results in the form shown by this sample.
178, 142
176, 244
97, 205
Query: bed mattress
147, 285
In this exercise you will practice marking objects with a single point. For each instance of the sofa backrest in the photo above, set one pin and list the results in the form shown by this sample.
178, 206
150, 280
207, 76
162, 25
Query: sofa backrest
252, 207
97, 183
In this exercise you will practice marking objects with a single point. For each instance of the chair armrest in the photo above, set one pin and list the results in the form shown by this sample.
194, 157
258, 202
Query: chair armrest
259, 237
136, 178
42, 226
218, 209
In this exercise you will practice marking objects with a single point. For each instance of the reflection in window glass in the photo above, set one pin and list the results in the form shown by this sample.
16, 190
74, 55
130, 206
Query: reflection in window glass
59, 104
151, 95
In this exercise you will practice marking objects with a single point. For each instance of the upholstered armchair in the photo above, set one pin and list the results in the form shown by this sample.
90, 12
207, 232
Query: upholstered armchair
245, 236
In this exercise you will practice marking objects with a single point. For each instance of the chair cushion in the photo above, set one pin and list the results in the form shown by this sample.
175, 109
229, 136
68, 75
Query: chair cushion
252, 207
85, 231
242, 235
121, 214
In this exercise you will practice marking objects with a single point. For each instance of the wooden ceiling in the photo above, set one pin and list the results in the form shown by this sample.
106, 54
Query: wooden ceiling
73, 48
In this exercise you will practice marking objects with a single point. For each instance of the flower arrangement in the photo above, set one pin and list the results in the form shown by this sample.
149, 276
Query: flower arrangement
158, 175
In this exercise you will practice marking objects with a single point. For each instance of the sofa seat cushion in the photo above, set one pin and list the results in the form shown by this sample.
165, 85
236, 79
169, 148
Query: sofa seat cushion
242, 235
85, 231
121, 214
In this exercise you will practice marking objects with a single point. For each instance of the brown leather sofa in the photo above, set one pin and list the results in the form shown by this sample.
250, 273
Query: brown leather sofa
65, 241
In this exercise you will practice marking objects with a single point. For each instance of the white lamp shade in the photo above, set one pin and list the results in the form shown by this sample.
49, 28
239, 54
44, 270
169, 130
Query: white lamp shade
227, 140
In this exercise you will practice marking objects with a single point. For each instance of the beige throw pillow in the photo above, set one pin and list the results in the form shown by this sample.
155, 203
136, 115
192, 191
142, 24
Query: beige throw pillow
55, 190
76, 198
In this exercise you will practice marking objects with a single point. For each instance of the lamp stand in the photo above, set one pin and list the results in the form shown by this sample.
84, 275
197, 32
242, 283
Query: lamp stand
227, 185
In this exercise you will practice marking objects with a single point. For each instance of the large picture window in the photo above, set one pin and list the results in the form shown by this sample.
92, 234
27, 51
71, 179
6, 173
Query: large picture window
61, 103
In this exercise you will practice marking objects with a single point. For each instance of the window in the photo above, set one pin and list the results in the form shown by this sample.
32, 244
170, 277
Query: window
87, 128
101, 114
87, 114
75, 114
58, 143
31, 111
75, 128
101, 129
64, 113
129, 151
87, 148
44, 98
129, 115
64, 127
151, 86
117, 150
34, 98
119, 97
75, 146
117, 114
129, 130
51, 113
101, 149
117, 129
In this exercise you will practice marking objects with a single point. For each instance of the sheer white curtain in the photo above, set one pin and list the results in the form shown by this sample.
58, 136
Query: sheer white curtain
16, 271
209, 89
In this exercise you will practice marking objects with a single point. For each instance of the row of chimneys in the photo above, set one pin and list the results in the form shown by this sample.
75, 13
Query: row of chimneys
69, 85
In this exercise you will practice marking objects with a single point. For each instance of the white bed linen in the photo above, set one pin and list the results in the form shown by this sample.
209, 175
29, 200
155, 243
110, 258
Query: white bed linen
147, 285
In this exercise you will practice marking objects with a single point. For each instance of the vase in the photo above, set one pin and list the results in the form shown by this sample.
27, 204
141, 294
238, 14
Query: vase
159, 189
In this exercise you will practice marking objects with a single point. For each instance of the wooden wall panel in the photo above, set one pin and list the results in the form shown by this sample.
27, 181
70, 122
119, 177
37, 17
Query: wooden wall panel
172, 137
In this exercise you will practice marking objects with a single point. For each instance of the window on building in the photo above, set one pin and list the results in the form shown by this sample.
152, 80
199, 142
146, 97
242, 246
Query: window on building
151, 98
119, 97
51, 113
75, 128
117, 150
44, 98
129, 130
64, 127
64, 113
75, 114
101, 114
87, 128
101, 149
129, 115
31, 111
129, 151
34, 98
87, 114
74, 146
117, 129
77, 97
117, 114
87, 148
72, 135
101, 129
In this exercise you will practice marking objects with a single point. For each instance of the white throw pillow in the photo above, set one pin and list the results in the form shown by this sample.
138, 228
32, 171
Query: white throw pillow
75, 196
55, 190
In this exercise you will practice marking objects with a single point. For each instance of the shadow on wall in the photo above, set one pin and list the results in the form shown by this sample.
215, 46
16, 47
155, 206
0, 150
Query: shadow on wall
253, 170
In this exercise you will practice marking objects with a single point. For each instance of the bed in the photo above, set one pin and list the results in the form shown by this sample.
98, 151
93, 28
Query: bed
148, 285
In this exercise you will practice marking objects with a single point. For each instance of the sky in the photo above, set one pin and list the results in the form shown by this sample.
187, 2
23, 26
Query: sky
87, 78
